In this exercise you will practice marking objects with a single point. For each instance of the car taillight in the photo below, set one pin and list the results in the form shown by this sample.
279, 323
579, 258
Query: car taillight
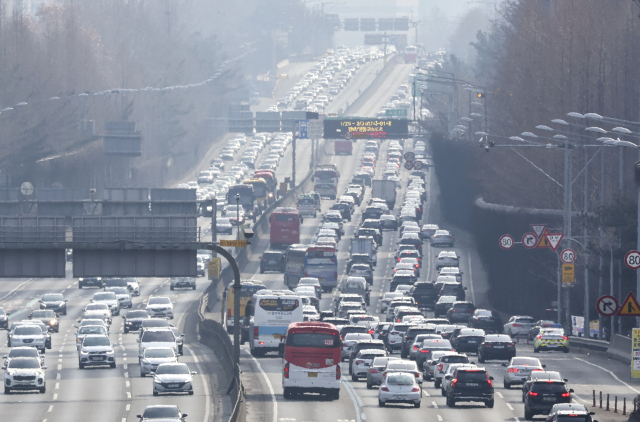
533, 393
336, 273
415, 389
286, 370
338, 373
306, 274
415, 347
228, 312
384, 389
440, 367
454, 382
538, 369
255, 332
417, 374
511, 345
517, 325
564, 337
398, 259
513, 370
425, 351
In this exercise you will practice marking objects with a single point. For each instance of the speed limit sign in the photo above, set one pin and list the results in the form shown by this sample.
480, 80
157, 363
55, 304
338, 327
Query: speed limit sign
632, 260
568, 256
408, 165
506, 241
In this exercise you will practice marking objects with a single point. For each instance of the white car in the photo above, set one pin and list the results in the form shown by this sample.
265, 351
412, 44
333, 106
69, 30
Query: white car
387, 298
399, 387
89, 330
362, 362
519, 368
444, 362
98, 310
406, 366
182, 282
447, 259
429, 230
133, 286
160, 307
22, 352
429, 367
96, 350
173, 378
124, 297
108, 298
29, 335
157, 337
519, 326
351, 339
25, 374
154, 356
452, 271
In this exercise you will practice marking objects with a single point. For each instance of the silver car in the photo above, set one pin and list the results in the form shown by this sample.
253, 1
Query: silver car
428, 368
154, 356
351, 339
403, 365
124, 297
519, 368
447, 259
415, 347
22, 352
443, 364
428, 347
376, 369
454, 271
96, 350
89, 330
399, 388
519, 326
108, 298
362, 362
173, 378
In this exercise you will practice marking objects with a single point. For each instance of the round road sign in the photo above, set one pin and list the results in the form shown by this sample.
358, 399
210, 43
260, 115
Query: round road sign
632, 260
568, 256
348, 136
529, 240
409, 156
418, 165
607, 305
408, 165
506, 241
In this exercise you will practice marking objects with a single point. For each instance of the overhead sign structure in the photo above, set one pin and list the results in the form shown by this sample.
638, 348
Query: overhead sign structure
630, 306
538, 229
214, 268
632, 260
568, 274
506, 242
529, 240
303, 128
366, 128
233, 243
408, 165
568, 256
554, 239
396, 112
315, 129
607, 305
409, 156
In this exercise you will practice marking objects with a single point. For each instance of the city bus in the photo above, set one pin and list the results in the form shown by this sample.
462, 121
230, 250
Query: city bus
247, 290
311, 361
272, 183
321, 262
294, 265
260, 191
326, 179
273, 311
284, 226
410, 54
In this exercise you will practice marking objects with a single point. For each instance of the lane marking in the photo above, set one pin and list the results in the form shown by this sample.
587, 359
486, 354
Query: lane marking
57, 386
509, 406
129, 394
353, 399
127, 384
128, 407
59, 367
55, 397
610, 373
439, 418
50, 409
273, 394
207, 409
19, 286
435, 405
58, 376
500, 394
357, 396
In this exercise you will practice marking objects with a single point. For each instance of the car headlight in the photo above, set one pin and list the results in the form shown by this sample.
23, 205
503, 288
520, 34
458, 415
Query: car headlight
110, 352
83, 352
53, 322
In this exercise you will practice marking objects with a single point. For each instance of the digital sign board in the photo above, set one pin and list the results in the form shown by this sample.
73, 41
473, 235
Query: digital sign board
353, 129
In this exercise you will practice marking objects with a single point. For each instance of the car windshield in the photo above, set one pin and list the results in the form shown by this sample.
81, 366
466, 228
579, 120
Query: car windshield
549, 387
97, 307
43, 314
161, 412
498, 338
440, 344
32, 330
120, 291
454, 359
158, 336
137, 314
159, 353
159, 301
104, 296
471, 376
525, 320
172, 369
155, 323
52, 297
400, 379
92, 329
402, 366
525, 361
25, 363
96, 341
572, 418
25, 352
91, 322
2, 312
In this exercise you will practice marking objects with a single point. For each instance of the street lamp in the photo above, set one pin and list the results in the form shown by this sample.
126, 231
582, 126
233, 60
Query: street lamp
238, 215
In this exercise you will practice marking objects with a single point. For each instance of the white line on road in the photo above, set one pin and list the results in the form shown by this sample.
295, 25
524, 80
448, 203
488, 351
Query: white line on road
439, 418
127, 384
575, 396
59, 367
128, 394
205, 383
611, 373
124, 366
50, 409
58, 376
19, 286
435, 405
509, 406
500, 394
55, 397
353, 399
57, 385
126, 374
128, 407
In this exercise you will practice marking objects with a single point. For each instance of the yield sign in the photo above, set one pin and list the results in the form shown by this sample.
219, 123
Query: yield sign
630, 306
538, 229
554, 239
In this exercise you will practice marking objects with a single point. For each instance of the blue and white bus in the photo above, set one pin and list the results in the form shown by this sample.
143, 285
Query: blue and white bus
273, 311
321, 262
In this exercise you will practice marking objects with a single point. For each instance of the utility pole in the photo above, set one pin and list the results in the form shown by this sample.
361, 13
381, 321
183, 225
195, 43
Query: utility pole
587, 304
601, 264
293, 145
214, 218
384, 40
638, 230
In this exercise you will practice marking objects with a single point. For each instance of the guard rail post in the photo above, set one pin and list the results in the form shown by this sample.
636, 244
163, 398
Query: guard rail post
594, 398
615, 405
601, 400
624, 406
607, 409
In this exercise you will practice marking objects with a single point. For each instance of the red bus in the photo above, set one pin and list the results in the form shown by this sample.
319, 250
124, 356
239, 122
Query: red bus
284, 227
311, 361
410, 54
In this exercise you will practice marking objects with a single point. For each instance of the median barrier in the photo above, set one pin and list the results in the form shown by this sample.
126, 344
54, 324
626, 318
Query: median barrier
620, 349
581, 344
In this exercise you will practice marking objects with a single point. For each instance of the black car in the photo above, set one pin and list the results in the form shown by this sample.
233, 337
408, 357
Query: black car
369, 232
401, 279
543, 395
468, 340
424, 293
410, 336
4, 319
443, 304
133, 320
362, 176
90, 282
470, 385
48, 318
372, 213
453, 288
538, 376
272, 261
359, 258
326, 314
496, 346
460, 311
489, 321
54, 302
344, 210
570, 412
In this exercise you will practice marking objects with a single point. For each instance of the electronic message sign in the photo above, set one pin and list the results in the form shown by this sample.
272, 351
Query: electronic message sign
353, 129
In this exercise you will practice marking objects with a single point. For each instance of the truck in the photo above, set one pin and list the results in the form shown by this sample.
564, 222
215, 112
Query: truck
384, 189
343, 147
365, 245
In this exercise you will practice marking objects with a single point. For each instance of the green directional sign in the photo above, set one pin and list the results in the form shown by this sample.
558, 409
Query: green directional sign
396, 112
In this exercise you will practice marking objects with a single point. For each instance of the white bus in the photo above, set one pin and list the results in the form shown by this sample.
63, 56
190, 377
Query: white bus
273, 311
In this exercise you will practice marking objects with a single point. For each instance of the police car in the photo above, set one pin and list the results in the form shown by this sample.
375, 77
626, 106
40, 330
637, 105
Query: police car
551, 339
